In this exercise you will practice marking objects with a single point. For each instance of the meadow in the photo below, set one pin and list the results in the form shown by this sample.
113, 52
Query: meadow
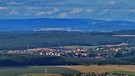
102, 69
22, 71
123, 72
41, 75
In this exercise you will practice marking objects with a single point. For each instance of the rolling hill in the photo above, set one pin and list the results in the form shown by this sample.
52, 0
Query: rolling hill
46, 24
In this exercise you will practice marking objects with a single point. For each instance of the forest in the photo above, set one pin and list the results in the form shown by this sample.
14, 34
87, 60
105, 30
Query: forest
36, 60
25, 40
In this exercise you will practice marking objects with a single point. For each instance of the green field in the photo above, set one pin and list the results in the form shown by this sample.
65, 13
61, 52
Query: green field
123, 72
42, 75
17, 71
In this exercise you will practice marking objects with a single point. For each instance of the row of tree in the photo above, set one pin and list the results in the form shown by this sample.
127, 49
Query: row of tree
27, 60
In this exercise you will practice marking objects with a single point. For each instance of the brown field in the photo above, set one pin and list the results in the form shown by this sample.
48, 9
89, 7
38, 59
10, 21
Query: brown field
102, 69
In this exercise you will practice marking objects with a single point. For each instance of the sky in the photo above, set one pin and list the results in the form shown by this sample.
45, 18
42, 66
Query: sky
82, 9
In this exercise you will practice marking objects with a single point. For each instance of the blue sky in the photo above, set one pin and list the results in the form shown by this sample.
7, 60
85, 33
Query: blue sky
86, 9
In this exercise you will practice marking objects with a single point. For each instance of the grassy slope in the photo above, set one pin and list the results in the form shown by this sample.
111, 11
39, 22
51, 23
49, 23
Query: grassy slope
13, 71
123, 72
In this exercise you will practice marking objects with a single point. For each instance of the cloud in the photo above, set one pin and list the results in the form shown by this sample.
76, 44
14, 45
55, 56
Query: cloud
15, 3
132, 11
70, 12
63, 15
41, 13
3, 8
89, 10
49, 12
75, 11
14, 12
34, 9
90, 0
103, 12
112, 2
116, 5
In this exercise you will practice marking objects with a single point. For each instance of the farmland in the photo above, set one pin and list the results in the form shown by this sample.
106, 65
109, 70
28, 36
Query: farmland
72, 47
58, 70
102, 69
42, 75
16, 71
123, 72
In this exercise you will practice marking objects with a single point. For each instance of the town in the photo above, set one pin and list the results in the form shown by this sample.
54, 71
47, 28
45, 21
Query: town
98, 52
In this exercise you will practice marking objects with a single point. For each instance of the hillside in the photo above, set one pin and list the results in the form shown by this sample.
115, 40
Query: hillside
22, 40
64, 24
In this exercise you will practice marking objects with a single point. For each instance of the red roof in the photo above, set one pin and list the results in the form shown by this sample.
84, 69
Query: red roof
98, 57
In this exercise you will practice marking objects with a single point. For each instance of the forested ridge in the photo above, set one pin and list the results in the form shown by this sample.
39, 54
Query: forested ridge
23, 40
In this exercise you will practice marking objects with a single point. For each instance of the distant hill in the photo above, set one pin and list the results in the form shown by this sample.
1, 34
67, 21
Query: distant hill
45, 24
